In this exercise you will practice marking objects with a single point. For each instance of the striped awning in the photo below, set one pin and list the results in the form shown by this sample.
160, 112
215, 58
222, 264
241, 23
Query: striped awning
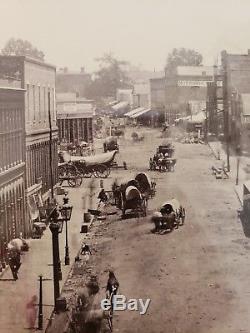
140, 113
134, 111
120, 105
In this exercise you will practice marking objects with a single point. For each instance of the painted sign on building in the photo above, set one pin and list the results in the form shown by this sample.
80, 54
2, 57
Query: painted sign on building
193, 83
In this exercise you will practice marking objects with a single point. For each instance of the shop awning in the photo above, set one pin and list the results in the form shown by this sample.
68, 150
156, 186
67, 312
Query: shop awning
134, 111
120, 105
140, 113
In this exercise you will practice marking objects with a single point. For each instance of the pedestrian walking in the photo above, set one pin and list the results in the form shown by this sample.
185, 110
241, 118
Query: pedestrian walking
85, 251
14, 262
112, 284
102, 196
31, 312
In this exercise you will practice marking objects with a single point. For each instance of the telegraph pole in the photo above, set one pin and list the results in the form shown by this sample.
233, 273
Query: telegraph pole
50, 150
226, 107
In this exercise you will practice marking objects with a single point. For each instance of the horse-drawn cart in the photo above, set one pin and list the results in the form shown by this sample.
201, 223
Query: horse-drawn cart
146, 186
170, 215
128, 197
163, 159
97, 165
133, 200
137, 137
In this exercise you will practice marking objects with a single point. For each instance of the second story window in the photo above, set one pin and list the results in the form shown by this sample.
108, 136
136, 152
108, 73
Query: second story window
39, 104
28, 101
34, 103
45, 104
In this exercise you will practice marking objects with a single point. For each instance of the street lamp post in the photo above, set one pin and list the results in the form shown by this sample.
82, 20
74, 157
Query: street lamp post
56, 226
66, 258
66, 211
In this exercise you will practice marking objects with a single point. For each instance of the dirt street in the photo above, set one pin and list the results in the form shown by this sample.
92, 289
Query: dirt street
197, 277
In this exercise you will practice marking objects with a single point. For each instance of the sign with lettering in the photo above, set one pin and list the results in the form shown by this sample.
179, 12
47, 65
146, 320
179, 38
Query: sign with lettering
193, 83
196, 83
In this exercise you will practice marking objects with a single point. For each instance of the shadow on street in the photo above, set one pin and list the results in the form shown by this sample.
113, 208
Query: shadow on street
245, 225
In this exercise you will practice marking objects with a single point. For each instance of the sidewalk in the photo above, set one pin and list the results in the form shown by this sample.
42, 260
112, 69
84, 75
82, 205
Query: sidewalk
15, 294
243, 176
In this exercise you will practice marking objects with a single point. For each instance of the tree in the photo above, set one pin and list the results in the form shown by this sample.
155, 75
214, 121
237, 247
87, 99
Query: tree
22, 47
110, 76
183, 57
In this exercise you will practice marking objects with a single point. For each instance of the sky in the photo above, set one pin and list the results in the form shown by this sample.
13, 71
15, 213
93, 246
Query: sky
72, 33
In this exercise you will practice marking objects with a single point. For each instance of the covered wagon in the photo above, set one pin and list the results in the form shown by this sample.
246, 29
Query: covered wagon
171, 214
97, 165
128, 197
146, 186
133, 200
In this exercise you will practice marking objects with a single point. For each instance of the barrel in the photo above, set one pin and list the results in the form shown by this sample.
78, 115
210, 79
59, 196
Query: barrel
84, 229
87, 217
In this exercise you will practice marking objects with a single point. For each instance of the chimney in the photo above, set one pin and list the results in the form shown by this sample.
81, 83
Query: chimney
82, 69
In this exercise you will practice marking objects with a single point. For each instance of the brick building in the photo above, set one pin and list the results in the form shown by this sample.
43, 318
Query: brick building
69, 81
157, 100
157, 93
183, 85
12, 168
240, 114
38, 80
236, 81
214, 104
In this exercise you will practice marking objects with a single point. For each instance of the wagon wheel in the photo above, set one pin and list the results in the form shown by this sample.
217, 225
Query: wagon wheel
87, 172
80, 168
74, 177
101, 171
78, 180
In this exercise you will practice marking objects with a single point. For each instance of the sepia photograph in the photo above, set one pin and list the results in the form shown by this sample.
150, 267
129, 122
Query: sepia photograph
125, 166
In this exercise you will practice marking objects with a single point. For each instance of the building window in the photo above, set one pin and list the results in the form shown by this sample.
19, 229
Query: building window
28, 101
52, 105
34, 102
45, 104
39, 103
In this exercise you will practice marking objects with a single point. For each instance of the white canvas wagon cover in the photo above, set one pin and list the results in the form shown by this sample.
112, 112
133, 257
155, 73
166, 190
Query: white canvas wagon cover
174, 203
132, 193
96, 159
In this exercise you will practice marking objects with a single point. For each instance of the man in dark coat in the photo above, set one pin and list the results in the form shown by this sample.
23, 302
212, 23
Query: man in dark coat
14, 262
103, 196
112, 284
